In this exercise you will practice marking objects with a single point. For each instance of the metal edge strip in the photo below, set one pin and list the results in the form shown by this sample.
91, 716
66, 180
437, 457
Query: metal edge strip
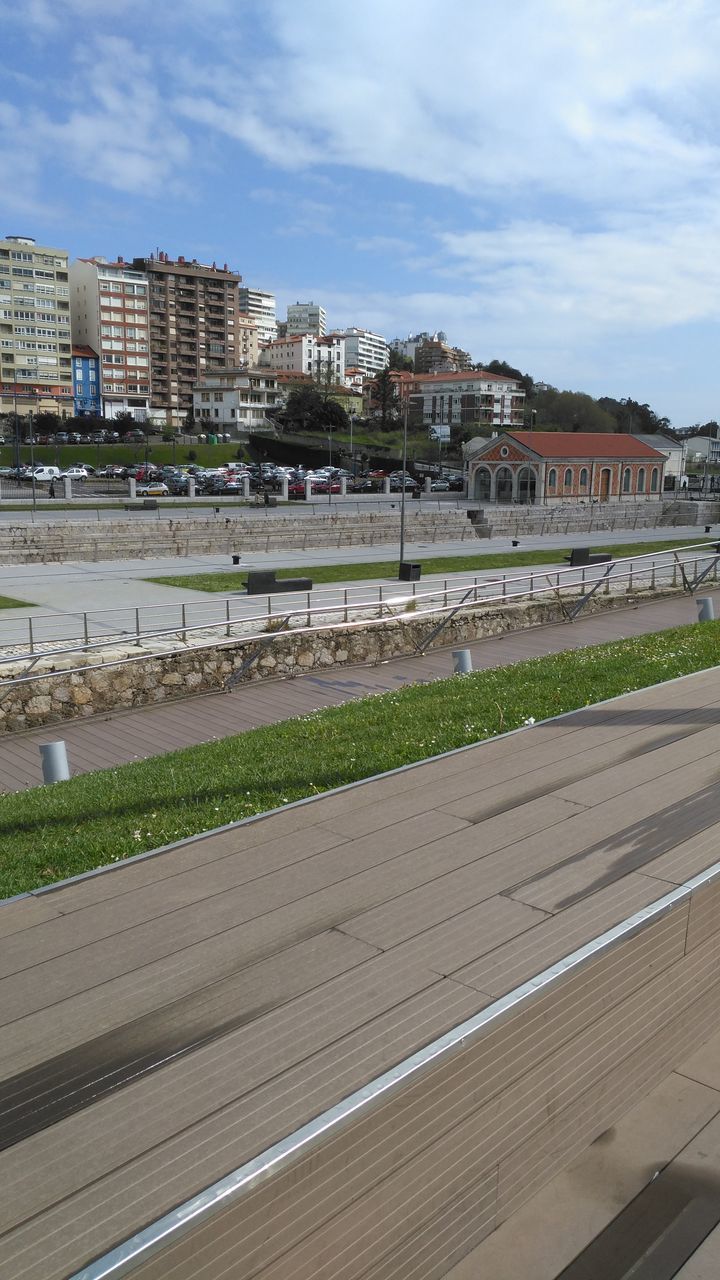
146, 1243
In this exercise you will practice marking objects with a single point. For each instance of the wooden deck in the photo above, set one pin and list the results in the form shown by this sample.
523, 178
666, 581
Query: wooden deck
104, 741
168, 1021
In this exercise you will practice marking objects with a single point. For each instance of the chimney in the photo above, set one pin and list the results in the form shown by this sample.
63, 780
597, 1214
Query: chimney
181, 259
120, 258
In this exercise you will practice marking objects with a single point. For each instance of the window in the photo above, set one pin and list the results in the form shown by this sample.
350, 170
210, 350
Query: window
654, 480
626, 480
641, 480
583, 478
567, 479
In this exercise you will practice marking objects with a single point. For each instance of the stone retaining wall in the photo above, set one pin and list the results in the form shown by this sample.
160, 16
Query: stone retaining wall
513, 521
126, 539
67, 695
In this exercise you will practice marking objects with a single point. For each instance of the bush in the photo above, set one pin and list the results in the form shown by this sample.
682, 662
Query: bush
192, 455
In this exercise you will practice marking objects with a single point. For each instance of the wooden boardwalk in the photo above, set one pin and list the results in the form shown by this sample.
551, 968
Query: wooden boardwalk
168, 1021
102, 742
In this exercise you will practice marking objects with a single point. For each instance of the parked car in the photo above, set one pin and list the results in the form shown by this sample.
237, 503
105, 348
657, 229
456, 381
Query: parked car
152, 489
44, 475
74, 473
440, 486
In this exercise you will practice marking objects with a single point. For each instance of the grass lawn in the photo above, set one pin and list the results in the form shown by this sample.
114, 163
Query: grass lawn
7, 602
228, 580
52, 832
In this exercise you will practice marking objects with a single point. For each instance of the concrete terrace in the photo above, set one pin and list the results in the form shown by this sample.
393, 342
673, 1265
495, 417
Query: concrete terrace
195, 1015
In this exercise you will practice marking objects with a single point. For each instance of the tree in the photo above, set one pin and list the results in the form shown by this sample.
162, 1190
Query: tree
507, 371
570, 411
400, 362
303, 410
384, 398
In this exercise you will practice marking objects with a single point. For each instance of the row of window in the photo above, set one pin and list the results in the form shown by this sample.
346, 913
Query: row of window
626, 480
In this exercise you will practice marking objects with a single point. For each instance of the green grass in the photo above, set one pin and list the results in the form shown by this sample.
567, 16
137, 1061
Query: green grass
7, 602
207, 455
228, 580
49, 833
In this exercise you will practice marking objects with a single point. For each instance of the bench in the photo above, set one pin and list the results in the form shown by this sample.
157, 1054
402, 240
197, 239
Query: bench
262, 582
581, 556
147, 504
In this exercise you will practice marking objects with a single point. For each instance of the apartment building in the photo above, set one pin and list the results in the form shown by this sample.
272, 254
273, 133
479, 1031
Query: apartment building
474, 397
87, 399
321, 358
433, 355
194, 326
35, 343
364, 350
306, 317
235, 399
260, 306
110, 315
247, 339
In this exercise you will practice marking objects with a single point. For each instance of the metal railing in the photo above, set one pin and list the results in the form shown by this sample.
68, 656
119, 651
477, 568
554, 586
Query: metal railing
685, 566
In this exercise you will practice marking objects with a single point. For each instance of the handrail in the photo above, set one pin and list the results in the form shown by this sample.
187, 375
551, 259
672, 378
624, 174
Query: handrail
343, 622
323, 597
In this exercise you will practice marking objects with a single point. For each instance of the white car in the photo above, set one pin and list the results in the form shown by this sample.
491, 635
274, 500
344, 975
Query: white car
152, 489
44, 475
75, 473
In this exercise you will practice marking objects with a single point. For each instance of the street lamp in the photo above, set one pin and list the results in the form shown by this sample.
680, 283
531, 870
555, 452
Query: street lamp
406, 413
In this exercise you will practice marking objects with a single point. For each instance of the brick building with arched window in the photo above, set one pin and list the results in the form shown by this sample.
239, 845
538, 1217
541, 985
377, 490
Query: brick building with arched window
561, 466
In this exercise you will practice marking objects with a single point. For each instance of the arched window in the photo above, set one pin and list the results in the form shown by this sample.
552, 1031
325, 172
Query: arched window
568, 479
654, 480
641, 480
503, 485
626, 480
482, 485
583, 478
552, 478
526, 485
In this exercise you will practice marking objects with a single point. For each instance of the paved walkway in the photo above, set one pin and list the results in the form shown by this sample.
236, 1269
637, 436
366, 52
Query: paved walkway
167, 1022
102, 742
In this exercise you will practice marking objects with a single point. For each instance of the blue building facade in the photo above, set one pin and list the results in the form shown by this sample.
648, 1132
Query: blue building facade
86, 383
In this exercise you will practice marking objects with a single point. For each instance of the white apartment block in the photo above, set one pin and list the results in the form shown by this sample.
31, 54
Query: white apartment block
110, 302
364, 350
235, 399
463, 399
306, 317
260, 307
307, 354
35, 343
247, 340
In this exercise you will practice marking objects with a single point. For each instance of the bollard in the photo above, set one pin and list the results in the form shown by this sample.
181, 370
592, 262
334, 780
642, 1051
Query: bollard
308, 489
462, 662
426, 486
132, 488
191, 488
284, 484
386, 484
245, 482
67, 488
54, 762
706, 609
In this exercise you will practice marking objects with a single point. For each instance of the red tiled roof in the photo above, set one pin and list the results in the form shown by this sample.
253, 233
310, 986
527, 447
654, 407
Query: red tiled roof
84, 351
584, 444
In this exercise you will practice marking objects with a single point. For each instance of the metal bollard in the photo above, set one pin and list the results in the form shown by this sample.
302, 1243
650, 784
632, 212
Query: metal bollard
706, 609
54, 762
462, 662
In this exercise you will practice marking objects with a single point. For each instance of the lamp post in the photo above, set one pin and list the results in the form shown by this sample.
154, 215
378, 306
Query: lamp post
406, 414
32, 462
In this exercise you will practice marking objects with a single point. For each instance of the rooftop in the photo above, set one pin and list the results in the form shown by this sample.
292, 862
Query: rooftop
584, 444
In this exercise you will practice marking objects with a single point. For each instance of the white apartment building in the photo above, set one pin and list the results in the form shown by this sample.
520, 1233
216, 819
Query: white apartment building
463, 399
247, 340
305, 353
35, 343
364, 350
235, 399
260, 307
306, 317
110, 313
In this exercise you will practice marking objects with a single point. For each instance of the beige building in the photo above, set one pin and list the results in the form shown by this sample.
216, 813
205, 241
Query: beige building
235, 400
194, 327
35, 343
247, 339
110, 313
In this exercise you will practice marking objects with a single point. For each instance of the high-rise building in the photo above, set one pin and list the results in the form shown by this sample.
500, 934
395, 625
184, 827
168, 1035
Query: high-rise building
194, 325
364, 350
110, 314
260, 307
306, 317
35, 343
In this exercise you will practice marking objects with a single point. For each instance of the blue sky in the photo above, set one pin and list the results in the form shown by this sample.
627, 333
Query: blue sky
539, 180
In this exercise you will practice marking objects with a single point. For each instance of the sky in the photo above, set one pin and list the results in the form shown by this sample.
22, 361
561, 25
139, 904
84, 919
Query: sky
540, 180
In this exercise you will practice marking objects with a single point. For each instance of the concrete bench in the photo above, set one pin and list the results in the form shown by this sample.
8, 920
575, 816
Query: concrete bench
581, 556
262, 582
147, 504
